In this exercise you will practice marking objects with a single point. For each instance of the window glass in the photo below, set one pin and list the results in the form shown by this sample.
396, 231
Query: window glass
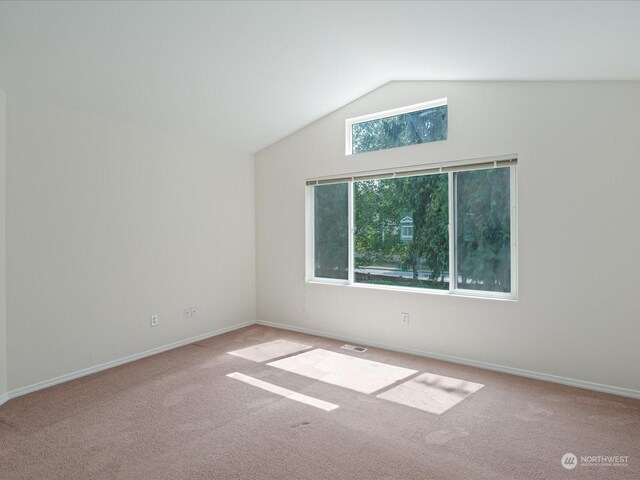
331, 238
401, 232
483, 230
423, 126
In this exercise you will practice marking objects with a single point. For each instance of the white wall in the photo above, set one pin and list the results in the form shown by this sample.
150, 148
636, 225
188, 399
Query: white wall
108, 223
579, 166
3, 244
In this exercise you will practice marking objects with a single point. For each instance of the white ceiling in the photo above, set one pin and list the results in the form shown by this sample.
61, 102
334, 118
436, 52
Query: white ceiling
244, 74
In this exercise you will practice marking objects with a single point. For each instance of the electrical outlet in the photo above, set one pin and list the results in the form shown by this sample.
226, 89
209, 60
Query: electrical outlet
154, 320
194, 312
186, 313
405, 318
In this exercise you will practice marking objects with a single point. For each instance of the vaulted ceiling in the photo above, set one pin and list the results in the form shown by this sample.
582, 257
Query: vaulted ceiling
245, 74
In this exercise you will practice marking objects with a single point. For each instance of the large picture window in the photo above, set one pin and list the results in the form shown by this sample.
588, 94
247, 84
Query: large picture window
446, 229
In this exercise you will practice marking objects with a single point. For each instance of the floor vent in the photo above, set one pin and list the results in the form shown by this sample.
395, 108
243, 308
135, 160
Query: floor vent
353, 348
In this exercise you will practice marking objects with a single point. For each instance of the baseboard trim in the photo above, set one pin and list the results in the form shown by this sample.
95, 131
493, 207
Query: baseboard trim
625, 392
114, 363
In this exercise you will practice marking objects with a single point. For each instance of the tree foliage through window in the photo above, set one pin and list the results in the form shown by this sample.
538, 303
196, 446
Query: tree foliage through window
401, 225
382, 255
423, 126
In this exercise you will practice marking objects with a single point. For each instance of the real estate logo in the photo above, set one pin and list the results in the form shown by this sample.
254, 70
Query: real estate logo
569, 461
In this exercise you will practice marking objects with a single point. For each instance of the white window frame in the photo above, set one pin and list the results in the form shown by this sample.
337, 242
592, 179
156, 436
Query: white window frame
453, 287
350, 122
513, 216
406, 232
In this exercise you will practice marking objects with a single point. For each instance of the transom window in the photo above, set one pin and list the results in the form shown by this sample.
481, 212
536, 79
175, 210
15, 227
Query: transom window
400, 127
448, 228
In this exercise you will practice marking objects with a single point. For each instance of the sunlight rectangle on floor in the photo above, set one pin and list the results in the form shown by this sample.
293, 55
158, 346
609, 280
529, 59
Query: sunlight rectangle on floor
431, 393
357, 374
269, 350
283, 392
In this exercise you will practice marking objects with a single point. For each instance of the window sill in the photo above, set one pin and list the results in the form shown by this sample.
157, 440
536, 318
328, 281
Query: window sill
429, 291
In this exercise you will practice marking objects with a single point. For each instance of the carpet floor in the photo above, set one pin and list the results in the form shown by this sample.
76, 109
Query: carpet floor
176, 415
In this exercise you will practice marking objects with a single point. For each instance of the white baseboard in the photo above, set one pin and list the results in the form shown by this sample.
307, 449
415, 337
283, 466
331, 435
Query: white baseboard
463, 361
625, 392
114, 363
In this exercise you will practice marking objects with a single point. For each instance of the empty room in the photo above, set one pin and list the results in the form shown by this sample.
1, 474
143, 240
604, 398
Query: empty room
319, 240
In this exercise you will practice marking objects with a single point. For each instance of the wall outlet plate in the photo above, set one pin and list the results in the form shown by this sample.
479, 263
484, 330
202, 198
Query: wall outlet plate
186, 313
404, 316
154, 320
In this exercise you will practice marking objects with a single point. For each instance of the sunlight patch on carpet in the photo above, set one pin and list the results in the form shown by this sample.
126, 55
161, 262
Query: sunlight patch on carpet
361, 375
284, 392
270, 350
431, 393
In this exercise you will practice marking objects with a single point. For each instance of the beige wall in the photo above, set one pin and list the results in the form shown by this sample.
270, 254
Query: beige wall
108, 223
3, 244
577, 315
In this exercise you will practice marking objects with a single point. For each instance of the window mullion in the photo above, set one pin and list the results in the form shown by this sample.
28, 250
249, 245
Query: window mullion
453, 277
350, 216
310, 237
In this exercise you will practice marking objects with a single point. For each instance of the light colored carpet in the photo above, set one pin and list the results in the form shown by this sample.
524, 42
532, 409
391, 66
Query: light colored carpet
270, 350
431, 393
177, 416
361, 375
